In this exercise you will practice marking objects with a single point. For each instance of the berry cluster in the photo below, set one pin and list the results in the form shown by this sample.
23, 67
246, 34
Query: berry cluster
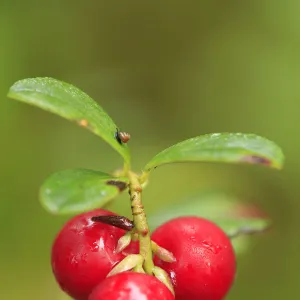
84, 253
98, 255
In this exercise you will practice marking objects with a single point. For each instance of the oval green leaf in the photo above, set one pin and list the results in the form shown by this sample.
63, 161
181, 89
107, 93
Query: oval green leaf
78, 190
205, 203
71, 103
242, 226
238, 230
222, 147
217, 206
221, 208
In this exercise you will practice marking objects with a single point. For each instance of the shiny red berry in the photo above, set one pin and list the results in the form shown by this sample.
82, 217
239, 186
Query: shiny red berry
131, 286
83, 253
205, 261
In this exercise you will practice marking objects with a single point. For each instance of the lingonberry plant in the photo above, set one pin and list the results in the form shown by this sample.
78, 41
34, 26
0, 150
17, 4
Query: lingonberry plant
100, 255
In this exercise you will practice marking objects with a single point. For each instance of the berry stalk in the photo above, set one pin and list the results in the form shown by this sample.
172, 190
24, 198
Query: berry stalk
140, 222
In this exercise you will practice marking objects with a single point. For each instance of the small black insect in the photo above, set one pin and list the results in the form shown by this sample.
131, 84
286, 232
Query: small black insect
122, 137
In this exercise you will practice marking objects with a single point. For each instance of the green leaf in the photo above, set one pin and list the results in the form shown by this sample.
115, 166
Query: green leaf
222, 209
242, 244
242, 226
222, 147
217, 206
79, 190
71, 103
206, 204
240, 229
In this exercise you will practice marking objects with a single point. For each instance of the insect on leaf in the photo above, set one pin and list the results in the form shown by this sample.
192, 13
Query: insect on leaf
71, 103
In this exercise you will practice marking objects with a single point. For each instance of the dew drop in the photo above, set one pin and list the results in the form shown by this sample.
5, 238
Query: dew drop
192, 238
213, 248
74, 261
95, 247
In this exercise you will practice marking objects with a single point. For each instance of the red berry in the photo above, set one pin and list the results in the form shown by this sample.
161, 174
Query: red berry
205, 261
83, 253
131, 286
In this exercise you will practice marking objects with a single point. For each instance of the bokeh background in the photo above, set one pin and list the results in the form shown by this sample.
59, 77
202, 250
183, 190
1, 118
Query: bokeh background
165, 71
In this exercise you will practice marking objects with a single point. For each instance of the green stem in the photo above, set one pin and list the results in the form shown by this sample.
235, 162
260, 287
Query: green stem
144, 177
140, 221
126, 167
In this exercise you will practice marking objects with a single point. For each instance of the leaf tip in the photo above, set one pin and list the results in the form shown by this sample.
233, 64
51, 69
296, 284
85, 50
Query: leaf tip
10, 93
49, 206
46, 202
254, 226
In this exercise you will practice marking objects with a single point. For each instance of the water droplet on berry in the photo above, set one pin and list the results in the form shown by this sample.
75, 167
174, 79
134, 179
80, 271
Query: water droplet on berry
101, 244
213, 248
74, 261
84, 258
192, 238
173, 277
95, 247
89, 223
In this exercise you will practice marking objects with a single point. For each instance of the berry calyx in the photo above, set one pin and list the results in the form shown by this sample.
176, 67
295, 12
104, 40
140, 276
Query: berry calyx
205, 261
131, 286
83, 253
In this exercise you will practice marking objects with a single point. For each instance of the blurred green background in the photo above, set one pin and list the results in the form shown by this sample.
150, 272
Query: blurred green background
165, 71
